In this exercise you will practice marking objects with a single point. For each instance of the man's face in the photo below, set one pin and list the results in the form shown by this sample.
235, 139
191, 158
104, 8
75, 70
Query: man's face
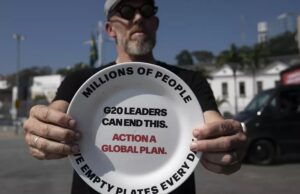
136, 36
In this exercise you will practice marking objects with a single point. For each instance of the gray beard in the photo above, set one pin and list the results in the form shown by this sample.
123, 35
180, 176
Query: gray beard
139, 47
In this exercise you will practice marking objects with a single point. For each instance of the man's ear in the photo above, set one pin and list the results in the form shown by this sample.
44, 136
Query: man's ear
109, 30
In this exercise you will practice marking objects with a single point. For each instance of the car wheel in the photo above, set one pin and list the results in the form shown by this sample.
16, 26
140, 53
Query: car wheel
262, 152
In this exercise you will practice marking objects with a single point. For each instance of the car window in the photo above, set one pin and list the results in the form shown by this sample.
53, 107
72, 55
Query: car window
259, 101
274, 103
290, 101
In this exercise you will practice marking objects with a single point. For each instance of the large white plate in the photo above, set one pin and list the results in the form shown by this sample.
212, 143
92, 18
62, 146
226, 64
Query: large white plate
136, 121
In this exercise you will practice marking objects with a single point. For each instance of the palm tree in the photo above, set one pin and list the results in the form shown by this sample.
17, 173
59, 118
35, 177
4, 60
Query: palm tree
251, 57
234, 60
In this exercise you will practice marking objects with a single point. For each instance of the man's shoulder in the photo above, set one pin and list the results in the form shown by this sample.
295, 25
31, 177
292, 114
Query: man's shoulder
175, 68
185, 74
84, 74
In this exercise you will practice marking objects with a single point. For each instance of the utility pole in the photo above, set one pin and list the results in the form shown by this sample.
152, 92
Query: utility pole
243, 30
18, 38
234, 70
100, 43
16, 101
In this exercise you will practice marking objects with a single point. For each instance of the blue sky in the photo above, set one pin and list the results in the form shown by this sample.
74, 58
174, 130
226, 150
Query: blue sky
55, 30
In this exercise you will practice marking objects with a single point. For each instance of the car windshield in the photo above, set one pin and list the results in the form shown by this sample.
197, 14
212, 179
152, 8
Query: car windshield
258, 101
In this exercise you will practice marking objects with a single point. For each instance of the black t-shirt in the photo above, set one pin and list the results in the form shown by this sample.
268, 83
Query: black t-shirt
194, 80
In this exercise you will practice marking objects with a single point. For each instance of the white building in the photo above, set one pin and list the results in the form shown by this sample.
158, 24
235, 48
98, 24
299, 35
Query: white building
284, 22
3, 84
247, 85
45, 86
262, 29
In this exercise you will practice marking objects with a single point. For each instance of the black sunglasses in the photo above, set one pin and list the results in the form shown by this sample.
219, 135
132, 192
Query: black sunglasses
128, 12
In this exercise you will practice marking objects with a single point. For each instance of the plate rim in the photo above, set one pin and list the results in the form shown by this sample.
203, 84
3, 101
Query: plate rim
154, 66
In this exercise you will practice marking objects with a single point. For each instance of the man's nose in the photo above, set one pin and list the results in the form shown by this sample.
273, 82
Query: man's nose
137, 17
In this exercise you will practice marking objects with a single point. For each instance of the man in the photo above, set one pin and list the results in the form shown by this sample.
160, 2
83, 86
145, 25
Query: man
50, 133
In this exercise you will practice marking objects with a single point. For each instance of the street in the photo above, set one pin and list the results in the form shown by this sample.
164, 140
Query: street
251, 179
22, 174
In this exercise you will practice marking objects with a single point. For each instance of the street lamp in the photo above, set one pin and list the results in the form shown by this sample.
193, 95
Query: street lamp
18, 38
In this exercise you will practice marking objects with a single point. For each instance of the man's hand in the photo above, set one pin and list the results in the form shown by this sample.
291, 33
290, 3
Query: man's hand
49, 131
222, 144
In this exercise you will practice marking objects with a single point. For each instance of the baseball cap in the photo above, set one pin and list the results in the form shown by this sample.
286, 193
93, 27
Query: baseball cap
111, 4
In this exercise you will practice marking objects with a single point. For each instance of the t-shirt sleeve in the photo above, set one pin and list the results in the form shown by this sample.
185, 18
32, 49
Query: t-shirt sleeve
203, 92
71, 84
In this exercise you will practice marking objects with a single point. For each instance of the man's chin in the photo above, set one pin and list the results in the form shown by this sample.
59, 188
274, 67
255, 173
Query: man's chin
140, 50
138, 37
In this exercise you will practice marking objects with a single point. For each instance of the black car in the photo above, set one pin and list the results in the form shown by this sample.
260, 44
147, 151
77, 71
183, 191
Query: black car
272, 119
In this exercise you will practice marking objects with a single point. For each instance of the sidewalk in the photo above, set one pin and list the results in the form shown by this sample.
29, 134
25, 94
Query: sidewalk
9, 131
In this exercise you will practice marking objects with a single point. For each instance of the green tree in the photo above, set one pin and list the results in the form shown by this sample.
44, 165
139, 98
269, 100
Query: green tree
283, 44
27, 73
25, 79
76, 67
231, 57
234, 60
203, 56
204, 73
184, 58
250, 58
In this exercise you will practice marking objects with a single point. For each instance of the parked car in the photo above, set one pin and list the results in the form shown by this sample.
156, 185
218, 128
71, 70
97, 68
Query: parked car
272, 119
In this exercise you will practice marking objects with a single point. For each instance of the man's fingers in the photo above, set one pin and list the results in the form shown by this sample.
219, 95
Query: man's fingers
44, 156
49, 131
222, 158
221, 169
221, 144
217, 129
48, 115
51, 124
48, 146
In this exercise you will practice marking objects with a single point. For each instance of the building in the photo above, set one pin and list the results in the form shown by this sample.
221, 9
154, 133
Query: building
262, 29
45, 86
286, 22
3, 83
236, 95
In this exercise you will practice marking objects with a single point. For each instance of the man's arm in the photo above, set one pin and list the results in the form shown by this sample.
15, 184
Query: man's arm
222, 143
49, 131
